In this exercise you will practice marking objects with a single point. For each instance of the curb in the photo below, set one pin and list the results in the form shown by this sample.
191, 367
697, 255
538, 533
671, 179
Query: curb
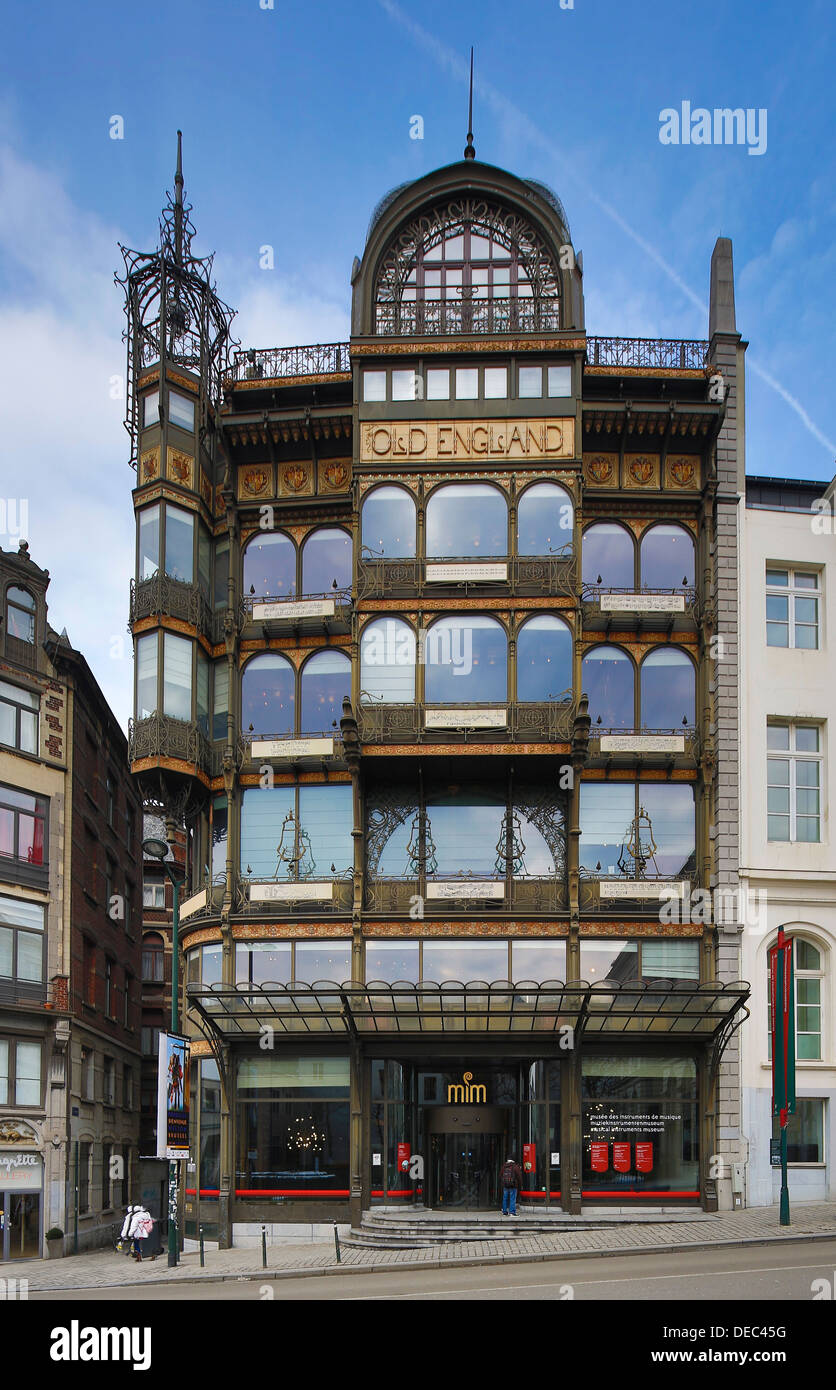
410, 1266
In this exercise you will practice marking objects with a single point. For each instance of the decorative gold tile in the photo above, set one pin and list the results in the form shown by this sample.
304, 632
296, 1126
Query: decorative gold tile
641, 470
296, 479
149, 465
255, 480
682, 471
334, 475
179, 467
601, 470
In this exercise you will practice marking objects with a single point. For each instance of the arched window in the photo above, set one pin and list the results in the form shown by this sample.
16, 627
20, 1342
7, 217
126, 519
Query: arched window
545, 518
608, 556
387, 662
466, 660
153, 957
667, 558
388, 524
268, 697
608, 678
467, 519
20, 614
544, 659
270, 566
326, 561
809, 975
326, 678
668, 684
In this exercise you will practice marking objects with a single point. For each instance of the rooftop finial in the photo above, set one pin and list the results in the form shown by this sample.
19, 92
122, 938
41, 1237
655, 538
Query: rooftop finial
469, 149
178, 201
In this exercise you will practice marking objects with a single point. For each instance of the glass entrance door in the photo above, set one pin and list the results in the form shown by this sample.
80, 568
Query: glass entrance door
465, 1170
21, 1222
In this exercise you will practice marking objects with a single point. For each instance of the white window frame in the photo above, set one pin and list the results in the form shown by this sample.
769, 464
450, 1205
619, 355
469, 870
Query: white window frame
791, 591
794, 757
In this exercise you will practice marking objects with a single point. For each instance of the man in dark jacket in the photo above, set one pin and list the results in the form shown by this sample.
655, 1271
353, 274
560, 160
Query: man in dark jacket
511, 1179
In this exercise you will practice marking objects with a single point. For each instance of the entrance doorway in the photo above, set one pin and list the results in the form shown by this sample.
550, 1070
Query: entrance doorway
20, 1218
467, 1150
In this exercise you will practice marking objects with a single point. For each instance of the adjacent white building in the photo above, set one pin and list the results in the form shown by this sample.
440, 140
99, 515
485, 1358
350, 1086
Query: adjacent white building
787, 790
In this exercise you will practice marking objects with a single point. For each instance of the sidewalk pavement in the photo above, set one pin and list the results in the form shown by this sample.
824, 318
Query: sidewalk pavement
105, 1268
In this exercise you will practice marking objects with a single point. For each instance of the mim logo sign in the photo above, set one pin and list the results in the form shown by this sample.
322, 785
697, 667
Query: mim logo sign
722, 126
465, 1093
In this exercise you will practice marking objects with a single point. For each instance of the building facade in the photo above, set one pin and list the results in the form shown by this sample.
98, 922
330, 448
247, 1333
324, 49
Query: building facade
787, 575
69, 935
425, 648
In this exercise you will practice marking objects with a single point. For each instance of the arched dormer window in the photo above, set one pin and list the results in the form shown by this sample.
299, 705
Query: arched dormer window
467, 267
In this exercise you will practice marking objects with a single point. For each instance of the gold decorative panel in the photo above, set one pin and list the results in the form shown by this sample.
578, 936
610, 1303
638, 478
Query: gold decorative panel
641, 470
682, 471
149, 465
436, 441
601, 470
255, 480
179, 467
296, 479
334, 475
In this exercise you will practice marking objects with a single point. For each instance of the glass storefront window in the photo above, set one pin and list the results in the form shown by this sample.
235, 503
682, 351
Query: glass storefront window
391, 961
323, 960
538, 961
640, 1126
465, 961
292, 1148
608, 960
257, 962
388, 524
805, 1132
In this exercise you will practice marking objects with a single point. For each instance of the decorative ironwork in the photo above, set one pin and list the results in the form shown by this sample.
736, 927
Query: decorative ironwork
162, 736
670, 354
638, 848
271, 364
340, 901
548, 721
163, 595
438, 318
174, 312
555, 575
389, 809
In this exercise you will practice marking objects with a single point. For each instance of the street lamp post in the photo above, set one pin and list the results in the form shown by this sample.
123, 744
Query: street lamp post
158, 849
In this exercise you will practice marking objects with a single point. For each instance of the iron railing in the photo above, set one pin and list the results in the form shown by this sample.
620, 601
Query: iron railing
440, 317
670, 354
150, 598
555, 575
547, 721
271, 364
161, 736
397, 896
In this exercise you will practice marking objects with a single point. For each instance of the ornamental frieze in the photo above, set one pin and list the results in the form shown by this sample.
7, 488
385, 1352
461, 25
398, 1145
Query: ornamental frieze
470, 927
277, 931
633, 928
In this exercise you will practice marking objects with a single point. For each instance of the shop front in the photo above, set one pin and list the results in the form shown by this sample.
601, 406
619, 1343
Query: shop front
21, 1203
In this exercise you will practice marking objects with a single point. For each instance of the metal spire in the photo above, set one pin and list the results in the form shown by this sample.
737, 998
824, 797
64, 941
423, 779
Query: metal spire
469, 149
178, 202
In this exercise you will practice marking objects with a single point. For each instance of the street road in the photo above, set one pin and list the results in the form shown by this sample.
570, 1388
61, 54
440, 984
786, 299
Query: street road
765, 1272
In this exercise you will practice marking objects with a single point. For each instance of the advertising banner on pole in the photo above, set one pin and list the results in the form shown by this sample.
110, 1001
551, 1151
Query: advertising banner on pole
173, 1097
781, 1003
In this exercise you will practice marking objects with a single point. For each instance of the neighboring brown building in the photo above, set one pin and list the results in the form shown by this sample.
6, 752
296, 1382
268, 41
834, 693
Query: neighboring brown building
70, 877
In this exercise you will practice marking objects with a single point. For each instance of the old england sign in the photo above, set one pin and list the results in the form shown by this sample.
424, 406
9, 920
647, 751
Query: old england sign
437, 440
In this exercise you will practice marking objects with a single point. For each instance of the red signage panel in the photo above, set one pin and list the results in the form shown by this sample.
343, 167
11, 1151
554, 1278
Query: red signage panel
404, 1154
644, 1157
529, 1158
600, 1156
621, 1158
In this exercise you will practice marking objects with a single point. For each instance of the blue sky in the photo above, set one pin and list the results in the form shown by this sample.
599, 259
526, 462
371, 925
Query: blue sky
296, 120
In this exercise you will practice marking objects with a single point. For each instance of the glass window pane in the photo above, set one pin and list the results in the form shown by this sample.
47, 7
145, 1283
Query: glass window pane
544, 659
325, 817
268, 697
608, 556
263, 812
388, 524
560, 381
778, 827
391, 961
149, 541
807, 957
778, 607
466, 519
221, 700
179, 548
530, 382
667, 557
606, 813
326, 680
270, 566
668, 689
204, 561
608, 678
545, 520
6, 951
4, 1070
374, 386
404, 385
496, 383
8, 724
28, 1073
467, 383
177, 676
804, 580
180, 410
670, 960
146, 675
464, 829
151, 408
806, 610
608, 960
807, 829
30, 956
670, 807
806, 638
326, 561
538, 961
323, 960
257, 962
777, 635
778, 577
778, 800
466, 659
438, 384
387, 662
807, 741
778, 737
465, 960
221, 573
28, 732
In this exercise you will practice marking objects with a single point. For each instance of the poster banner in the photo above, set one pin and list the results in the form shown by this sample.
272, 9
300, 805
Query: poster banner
529, 1158
644, 1156
782, 1014
599, 1156
621, 1158
173, 1097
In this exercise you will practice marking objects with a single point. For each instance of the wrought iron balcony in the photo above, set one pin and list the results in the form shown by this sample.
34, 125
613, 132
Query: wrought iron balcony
257, 897
538, 722
387, 894
676, 747
272, 364
162, 595
668, 354
161, 736
442, 317
644, 895
308, 615
644, 609
532, 575
304, 750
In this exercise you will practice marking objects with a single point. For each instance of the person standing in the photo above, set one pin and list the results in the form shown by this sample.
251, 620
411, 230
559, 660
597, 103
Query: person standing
140, 1230
124, 1234
511, 1179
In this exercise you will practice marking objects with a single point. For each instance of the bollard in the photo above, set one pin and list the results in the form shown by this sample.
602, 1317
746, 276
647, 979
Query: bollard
264, 1247
202, 1255
337, 1242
